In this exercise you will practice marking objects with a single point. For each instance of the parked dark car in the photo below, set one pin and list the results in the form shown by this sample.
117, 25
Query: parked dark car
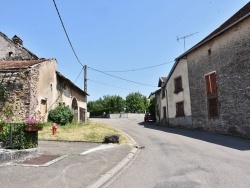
149, 117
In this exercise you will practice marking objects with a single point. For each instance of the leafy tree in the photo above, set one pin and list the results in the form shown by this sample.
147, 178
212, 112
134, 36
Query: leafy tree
152, 106
62, 114
136, 102
111, 103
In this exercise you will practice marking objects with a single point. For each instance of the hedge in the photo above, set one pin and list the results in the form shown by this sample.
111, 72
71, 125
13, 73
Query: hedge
21, 139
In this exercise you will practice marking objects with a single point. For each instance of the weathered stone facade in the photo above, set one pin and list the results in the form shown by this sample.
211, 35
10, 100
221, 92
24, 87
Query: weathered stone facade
13, 49
228, 54
21, 86
34, 85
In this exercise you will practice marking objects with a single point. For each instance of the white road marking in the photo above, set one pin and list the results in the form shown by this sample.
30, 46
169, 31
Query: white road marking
101, 147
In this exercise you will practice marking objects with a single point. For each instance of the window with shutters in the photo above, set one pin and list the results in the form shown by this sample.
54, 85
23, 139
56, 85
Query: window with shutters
212, 98
180, 109
178, 85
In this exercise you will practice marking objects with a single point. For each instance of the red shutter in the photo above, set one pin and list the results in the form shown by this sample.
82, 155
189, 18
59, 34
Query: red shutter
213, 82
207, 84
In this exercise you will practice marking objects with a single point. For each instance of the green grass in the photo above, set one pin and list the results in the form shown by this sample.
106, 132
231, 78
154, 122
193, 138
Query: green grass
90, 132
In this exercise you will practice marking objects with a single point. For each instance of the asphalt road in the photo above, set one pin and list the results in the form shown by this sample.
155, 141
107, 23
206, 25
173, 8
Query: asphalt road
182, 158
81, 165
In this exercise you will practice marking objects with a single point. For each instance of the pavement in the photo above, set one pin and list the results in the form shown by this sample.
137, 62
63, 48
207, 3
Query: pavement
69, 164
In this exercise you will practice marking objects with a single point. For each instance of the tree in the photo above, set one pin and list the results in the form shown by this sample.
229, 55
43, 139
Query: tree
109, 103
136, 102
152, 107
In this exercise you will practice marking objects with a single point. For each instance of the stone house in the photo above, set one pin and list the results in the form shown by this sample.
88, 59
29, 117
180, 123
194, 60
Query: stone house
219, 77
163, 100
35, 86
13, 49
178, 95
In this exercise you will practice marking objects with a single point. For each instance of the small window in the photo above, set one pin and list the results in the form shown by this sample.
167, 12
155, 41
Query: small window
180, 109
178, 85
10, 54
164, 112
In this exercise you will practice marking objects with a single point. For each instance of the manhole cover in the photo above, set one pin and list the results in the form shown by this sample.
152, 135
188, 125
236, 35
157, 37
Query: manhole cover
40, 160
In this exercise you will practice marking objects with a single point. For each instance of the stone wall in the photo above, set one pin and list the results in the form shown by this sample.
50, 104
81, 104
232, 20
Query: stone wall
11, 51
228, 55
126, 115
22, 92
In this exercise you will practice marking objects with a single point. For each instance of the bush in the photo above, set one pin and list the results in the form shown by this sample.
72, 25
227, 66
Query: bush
61, 115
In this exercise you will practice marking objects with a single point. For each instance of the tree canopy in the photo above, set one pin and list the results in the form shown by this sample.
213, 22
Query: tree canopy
135, 102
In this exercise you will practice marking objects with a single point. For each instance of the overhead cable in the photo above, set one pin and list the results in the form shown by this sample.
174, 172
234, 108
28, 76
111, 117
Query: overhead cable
66, 33
130, 70
121, 78
78, 75
108, 84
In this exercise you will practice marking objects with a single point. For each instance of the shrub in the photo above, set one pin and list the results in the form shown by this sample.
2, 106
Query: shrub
61, 115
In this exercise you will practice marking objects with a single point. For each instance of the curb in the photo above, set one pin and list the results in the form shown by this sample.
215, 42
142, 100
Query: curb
7, 155
117, 168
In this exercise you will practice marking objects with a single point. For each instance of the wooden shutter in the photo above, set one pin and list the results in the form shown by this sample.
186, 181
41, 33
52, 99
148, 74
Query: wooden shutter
211, 83
207, 84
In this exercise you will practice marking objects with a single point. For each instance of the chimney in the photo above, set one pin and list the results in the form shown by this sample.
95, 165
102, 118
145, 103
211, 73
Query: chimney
17, 40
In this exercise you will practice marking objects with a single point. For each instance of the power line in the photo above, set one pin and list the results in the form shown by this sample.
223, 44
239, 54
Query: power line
121, 78
66, 33
130, 70
78, 75
108, 85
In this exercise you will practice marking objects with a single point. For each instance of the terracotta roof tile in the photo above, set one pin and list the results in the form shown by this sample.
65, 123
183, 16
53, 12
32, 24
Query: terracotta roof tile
5, 65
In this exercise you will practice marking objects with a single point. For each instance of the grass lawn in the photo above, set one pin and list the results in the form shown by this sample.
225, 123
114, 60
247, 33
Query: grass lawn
91, 132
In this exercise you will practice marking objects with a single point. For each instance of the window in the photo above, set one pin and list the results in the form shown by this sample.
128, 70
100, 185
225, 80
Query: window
180, 109
212, 98
43, 107
164, 112
178, 85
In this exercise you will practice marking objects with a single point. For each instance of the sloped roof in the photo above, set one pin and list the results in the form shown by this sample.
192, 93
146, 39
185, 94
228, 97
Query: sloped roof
8, 65
71, 83
243, 13
18, 45
161, 80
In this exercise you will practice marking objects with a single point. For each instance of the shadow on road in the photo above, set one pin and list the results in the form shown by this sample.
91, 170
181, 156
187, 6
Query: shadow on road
223, 140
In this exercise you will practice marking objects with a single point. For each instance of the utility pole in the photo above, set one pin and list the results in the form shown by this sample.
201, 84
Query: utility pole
184, 38
85, 78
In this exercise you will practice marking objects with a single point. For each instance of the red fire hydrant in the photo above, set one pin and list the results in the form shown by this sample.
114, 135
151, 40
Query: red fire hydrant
54, 128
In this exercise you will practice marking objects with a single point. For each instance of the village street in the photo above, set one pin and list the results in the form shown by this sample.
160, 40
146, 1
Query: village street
183, 158
166, 157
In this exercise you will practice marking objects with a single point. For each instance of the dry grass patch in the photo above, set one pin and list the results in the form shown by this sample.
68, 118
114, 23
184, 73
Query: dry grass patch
91, 131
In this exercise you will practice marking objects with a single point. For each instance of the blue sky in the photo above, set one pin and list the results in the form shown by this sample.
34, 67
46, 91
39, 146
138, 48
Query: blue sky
114, 35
